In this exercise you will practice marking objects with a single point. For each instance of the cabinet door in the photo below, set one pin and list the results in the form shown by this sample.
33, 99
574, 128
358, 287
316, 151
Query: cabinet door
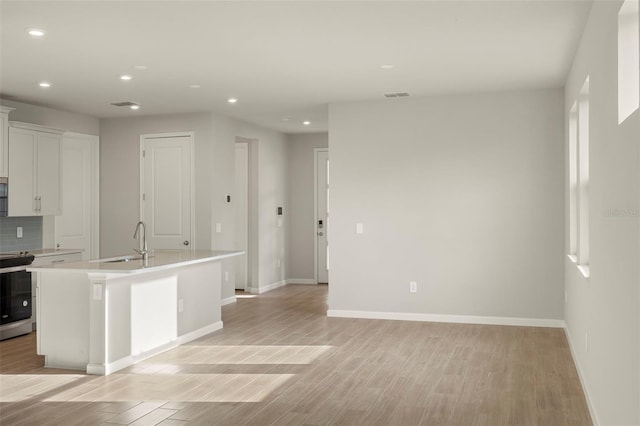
48, 174
22, 155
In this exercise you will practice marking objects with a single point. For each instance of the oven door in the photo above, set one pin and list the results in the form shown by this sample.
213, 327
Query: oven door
15, 294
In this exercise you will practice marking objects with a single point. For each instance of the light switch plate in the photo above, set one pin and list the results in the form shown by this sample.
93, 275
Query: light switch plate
218, 227
19, 232
359, 228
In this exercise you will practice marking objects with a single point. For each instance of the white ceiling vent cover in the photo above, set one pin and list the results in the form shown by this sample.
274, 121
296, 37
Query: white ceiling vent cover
396, 95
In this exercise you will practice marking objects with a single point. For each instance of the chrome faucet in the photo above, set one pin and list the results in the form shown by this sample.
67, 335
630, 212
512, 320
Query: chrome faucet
143, 243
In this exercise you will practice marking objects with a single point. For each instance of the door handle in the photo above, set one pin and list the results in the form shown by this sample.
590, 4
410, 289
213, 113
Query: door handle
185, 242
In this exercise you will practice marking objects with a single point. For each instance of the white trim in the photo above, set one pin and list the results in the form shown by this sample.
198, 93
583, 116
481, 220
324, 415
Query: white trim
585, 389
461, 319
310, 281
119, 364
273, 286
228, 300
315, 210
35, 127
192, 143
196, 334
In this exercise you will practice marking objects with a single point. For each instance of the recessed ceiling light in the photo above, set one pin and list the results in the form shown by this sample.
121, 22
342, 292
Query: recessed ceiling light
44, 84
134, 106
306, 123
125, 77
232, 100
386, 66
194, 86
35, 32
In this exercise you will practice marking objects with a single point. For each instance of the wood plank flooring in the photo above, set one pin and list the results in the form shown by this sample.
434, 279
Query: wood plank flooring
279, 360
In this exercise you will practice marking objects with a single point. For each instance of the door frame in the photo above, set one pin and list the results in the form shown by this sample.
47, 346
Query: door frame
95, 191
316, 151
191, 136
246, 143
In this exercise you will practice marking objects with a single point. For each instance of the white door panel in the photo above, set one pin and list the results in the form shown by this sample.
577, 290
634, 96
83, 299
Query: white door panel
74, 225
166, 192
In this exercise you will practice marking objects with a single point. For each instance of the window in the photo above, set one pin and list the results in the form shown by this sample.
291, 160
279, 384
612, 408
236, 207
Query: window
579, 180
573, 182
628, 59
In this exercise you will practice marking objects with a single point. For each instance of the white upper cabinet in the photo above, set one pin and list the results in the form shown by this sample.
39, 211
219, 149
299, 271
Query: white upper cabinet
4, 140
34, 170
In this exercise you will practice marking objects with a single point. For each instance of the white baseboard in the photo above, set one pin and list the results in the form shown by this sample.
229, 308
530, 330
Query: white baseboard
260, 290
185, 338
461, 319
112, 367
301, 281
592, 411
228, 300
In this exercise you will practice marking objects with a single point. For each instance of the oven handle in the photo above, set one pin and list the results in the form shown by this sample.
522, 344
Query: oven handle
13, 269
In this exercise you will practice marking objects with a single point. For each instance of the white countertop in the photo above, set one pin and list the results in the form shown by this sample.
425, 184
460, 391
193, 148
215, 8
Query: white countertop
158, 260
53, 252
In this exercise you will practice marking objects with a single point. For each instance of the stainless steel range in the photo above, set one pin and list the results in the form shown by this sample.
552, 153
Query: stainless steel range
15, 294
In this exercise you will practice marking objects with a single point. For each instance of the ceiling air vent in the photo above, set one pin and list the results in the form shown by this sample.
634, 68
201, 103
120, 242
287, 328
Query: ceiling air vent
121, 104
396, 95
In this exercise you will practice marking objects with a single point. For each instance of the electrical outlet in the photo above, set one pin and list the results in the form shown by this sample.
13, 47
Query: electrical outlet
413, 286
180, 305
19, 232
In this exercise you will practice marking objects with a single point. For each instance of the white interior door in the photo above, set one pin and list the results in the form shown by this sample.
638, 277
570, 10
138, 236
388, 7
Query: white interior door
77, 226
241, 195
322, 215
166, 192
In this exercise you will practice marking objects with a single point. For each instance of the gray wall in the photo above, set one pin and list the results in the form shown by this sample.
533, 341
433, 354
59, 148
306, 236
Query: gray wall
606, 307
462, 194
301, 185
214, 179
120, 176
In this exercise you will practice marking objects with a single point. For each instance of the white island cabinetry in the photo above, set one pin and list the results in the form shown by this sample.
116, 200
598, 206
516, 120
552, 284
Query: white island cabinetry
47, 257
102, 316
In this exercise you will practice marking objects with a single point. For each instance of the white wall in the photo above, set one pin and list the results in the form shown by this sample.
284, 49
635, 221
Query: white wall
462, 194
301, 264
607, 306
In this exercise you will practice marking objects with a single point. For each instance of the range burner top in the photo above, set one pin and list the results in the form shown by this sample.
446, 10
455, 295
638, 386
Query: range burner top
9, 260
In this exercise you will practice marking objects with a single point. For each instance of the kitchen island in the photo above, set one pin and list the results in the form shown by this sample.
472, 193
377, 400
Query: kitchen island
104, 315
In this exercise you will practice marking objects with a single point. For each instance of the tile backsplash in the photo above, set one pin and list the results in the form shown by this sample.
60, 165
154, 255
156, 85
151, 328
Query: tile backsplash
31, 233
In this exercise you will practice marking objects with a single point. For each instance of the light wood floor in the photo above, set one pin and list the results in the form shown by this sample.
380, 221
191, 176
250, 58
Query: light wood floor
280, 360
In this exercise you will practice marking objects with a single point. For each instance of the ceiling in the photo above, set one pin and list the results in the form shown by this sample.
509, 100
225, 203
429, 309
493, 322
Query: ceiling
284, 61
